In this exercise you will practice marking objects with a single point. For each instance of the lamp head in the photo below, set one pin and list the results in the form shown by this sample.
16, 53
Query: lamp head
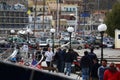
70, 29
52, 30
102, 27
29, 31
12, 31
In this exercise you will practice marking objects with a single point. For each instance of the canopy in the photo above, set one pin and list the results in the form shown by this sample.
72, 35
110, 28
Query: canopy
17, 39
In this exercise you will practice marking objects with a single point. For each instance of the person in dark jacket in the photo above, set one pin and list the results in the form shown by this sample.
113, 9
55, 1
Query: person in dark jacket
68, 62
59, 59
94, 71
85, 63
92, 56
75, 55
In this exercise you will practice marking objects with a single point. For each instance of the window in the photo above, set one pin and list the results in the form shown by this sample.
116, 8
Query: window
38, 18
73, 9
66, 9
70, 9
119, 36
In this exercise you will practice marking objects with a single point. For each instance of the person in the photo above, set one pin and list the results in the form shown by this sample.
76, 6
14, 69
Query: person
102, 69
76, 63
49, 57
68, 62
92, 56
75, 55
18, 55
25, 49
85, 66
94, 70
38, 54
63, 62
112, 73
59, 59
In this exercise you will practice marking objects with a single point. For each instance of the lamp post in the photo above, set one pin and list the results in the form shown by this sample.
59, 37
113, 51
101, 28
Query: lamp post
12, 32
52, 31
102, 28
28, 32
70, 30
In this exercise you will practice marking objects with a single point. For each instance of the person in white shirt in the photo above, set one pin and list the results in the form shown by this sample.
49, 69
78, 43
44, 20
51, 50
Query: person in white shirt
25, 49
49, 57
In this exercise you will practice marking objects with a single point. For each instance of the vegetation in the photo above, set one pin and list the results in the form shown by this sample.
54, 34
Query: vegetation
113, 19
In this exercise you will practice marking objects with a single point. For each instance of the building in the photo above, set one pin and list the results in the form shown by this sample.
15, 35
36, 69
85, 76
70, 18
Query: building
80, 14
13, 15
117, 39
40, 28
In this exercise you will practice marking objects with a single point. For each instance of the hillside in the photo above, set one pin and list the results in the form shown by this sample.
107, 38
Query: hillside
103, 4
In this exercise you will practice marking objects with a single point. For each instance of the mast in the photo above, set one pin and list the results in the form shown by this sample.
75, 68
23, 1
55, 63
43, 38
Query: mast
43, 16
35, 15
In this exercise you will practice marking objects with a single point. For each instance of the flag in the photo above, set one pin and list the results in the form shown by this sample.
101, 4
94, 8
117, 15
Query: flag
28, 12
34, 62
85, 14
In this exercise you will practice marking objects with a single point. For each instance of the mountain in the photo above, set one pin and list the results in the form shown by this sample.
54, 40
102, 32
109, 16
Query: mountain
101, 4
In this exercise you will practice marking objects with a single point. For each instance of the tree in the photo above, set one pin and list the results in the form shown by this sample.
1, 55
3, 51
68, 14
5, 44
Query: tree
113, 19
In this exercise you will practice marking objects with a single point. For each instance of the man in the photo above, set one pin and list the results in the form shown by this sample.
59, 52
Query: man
49, 57
92, 55
59, 58
94, 70
102, 69
69, 57
85, 63
112, 73
25, 50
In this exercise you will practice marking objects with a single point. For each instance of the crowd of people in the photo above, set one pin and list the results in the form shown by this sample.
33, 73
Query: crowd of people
89, 64
92, 70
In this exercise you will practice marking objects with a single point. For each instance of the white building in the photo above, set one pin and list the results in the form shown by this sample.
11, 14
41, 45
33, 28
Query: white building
70, 11
117, 39
41, 27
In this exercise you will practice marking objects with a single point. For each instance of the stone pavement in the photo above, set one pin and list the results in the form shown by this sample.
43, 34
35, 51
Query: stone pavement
107, 52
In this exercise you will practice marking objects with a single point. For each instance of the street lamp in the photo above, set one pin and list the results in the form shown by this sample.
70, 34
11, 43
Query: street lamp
28, 32
70, 30
52, 31
12, 32
102, 28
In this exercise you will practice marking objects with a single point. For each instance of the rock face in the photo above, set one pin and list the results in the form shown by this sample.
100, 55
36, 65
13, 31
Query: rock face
103, 4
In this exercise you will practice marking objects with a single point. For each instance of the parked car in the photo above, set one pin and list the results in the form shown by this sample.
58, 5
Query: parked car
56, 43
109, 44
89, 45
74, 44
43, 44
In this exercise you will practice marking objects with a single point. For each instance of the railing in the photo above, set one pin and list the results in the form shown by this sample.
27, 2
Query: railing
16, 72
7, 52
115, 60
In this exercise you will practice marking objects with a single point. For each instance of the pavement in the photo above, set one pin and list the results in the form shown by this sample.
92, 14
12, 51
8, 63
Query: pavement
107, 52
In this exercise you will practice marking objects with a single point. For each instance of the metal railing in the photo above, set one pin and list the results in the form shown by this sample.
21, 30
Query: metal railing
115, 60
6, 53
